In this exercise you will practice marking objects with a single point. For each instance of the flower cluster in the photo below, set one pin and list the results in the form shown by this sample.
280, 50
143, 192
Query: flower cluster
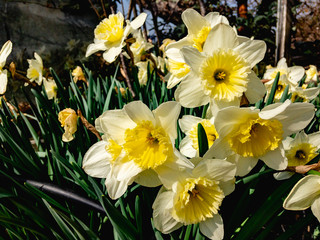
213, 66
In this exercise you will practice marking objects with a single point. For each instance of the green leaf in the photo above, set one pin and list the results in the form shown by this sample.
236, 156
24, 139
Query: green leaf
273, 89
202, 140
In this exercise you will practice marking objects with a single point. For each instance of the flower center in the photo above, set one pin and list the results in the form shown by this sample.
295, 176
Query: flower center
301, 154
113, 149
296, 97
110, 29
178, 69
200, 38
224, 75
147, 145
255, 137
196, 200
210, 130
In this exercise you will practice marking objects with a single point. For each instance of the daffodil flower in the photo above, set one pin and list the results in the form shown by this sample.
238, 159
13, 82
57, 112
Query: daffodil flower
304, 194
143, 71
189, 125
34, 72
110, 34
50, 87
221, 73
312, 74
194, 196
248, 134
4, 53
136, 144
304, 94
299, 151
140, 46
78, 75
68, 119
289, 76
198, 30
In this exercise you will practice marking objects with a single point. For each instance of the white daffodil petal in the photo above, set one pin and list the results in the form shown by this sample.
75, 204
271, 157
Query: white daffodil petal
162, 217
220, 36
214, 18
245, 165
148, 178
187, 122
218, 169
315, 208
108, 123
96, 161
95, 47
219, 149
275, 159
186, 148
138, 111
189, 93
139, 21
314, 139
296, 73
117, 188
283, 175
228, 186
174, 51
303, 194
4, 53
193, 21
125, 170
192, 57
255, 90
212, 227
3, 81
252, 50
111, 54
166, 115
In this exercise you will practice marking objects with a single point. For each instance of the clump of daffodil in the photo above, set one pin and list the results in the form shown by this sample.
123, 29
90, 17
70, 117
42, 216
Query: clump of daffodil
221, 74
247, 134
137, 142
194, 196
189, 145
198, 31
78, 75
299, 151
289, 76
312, 74
68, 119
35, 70
110, 34
50, 87
4, 53
305, 194
140, 46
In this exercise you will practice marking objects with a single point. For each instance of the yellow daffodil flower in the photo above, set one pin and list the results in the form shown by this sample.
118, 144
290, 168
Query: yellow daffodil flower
189, 125
312, 74
34, 72
301, 94
221, 73
136, 144
194, 196
248, 134
78, 75
305, 194
289, 76
299, 151
4, 53
140, 46
68, 119
110, 34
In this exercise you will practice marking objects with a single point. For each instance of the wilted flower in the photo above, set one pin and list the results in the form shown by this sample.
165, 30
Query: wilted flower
221, 73
136, 143
143, 71
50, 87
248, 134
78, 75
304, 194
312, 74
68, 119
4, 53
299, 151
189, 125
194, 196
110, 34
34, 72
289, 76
